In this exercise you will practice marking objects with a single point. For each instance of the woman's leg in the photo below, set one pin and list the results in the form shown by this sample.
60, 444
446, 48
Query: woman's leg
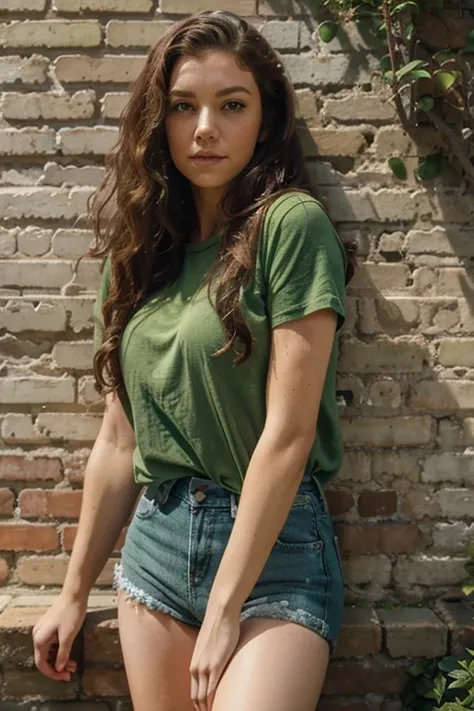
277, 666
157, 651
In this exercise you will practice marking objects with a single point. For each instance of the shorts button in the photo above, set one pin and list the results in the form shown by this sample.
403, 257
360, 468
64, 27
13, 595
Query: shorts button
199, 495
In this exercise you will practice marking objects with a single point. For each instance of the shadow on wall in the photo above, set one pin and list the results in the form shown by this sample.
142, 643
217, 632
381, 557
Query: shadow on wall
403, 502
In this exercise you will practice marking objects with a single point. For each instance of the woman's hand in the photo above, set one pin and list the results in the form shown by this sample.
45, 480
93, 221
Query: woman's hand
215, 644
53, 636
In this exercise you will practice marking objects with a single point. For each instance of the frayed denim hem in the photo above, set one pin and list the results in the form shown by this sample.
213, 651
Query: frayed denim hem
281, 611
135, 595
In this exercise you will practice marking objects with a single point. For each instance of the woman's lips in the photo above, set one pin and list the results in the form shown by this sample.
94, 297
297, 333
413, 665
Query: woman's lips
206, 161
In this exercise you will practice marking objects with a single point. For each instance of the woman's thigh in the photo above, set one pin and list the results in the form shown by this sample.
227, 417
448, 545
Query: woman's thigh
277, 665
157, 651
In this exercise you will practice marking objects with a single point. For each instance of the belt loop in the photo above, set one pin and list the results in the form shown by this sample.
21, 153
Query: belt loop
233, 505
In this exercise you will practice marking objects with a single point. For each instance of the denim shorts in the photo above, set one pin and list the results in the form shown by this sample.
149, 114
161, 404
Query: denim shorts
178, 535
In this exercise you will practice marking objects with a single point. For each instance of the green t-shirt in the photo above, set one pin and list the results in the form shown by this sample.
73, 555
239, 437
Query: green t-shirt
199, 416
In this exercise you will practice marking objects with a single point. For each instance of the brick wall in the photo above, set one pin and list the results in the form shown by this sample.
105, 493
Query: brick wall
404, 499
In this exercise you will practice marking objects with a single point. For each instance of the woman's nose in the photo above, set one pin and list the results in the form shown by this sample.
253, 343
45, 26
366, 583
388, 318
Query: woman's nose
206, 125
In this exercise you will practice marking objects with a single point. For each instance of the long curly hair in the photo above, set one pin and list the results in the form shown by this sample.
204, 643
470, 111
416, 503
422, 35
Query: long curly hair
144, 208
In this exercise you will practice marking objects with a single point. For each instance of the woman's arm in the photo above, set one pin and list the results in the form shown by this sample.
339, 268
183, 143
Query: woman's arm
109, 495
300, 354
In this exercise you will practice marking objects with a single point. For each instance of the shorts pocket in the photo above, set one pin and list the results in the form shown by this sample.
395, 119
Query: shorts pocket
300, 530
146, 507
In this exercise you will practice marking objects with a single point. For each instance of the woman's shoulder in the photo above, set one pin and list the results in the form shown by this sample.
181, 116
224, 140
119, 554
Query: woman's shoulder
295, 205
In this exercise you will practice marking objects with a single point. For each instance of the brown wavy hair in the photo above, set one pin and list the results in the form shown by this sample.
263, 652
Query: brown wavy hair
143, 210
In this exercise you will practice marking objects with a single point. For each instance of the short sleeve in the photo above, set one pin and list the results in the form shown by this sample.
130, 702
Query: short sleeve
98, 323
303, 261
97, 318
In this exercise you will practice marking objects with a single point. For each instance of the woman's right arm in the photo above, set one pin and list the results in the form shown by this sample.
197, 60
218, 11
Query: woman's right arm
109, 496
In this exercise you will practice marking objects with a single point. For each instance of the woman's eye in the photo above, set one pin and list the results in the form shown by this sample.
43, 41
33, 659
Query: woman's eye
238, 104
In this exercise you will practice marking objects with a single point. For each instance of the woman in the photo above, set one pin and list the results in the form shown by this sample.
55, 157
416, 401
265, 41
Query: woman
217, 324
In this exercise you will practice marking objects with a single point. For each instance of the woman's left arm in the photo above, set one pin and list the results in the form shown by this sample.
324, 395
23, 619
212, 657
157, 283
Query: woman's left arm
300, 355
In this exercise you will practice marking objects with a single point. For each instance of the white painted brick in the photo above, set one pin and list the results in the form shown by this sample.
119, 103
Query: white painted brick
34, 241
75, 355
121, 69
23, 5
135, 33
442, 395
102, 5
359, 109
405, 354
458, 468
50, 33
18, 428
452, 537
71, 244
457, 352
363, 569
28, 70
22, 177
440, 241
68, 426
426, 570
71, 175
19, 391
43, 202
388, 432
456, 503
355, 467
7, 242
281, 35
244, 8
27, 141
97, 140
328, 70
87, 394
20, 315
113, 104
89, 274
49, 105
43, 273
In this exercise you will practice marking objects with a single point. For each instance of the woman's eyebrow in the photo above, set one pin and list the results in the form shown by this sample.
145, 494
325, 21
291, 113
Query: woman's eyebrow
222, 92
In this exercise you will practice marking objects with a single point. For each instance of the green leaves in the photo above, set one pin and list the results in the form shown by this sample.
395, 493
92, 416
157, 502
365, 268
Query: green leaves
398, 168
429, 166
403, 71
446, 79
425, 103
404, 6
327, 31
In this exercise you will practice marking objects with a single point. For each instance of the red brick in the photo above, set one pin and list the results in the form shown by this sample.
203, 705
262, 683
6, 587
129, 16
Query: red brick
4, 571
19, 683
28, 537
38, 503
105, 682
69, 536
51, 570
378, 503
16, 642
371, 676
101, 638
339, 502
414, 632
7, 499
378, 538
18, 468
361, 633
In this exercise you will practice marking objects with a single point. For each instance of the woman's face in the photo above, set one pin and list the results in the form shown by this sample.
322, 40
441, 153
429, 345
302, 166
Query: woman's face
213, 105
